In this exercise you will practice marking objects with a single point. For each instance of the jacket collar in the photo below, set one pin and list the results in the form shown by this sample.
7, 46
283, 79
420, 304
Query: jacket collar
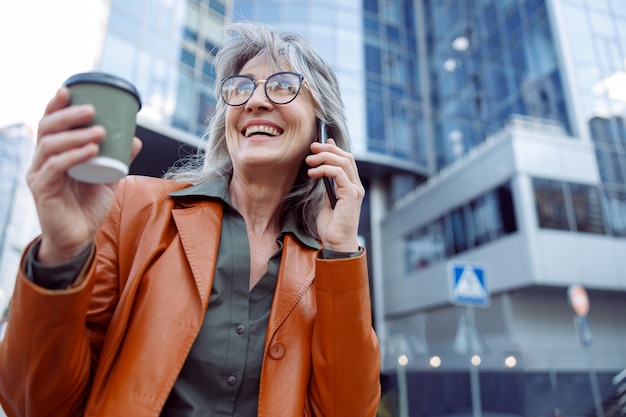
216, 188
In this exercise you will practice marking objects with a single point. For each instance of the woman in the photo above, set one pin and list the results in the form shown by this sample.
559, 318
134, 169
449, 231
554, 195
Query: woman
231, 288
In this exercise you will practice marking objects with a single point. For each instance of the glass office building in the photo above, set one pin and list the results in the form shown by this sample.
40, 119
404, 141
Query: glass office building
505, 120
374, 55
165, 48
488, 60
18, 219
527, 125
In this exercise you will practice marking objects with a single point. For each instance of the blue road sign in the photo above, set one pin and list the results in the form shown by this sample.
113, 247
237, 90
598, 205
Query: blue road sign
468, 285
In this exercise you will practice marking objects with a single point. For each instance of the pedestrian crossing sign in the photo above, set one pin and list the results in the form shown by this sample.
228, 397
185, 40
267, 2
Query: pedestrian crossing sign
468, 285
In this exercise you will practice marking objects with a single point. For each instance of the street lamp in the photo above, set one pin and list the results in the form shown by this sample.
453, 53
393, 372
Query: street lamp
510, 361
403, 361
435, 361
476, 360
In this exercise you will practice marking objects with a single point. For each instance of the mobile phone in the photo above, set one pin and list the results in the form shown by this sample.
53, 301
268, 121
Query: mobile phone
329, 183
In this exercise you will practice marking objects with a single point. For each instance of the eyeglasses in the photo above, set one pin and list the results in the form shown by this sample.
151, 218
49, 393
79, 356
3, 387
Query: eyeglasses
280, 88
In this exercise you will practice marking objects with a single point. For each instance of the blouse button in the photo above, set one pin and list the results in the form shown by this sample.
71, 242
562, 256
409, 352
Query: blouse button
277, 350
231, 380
240, 329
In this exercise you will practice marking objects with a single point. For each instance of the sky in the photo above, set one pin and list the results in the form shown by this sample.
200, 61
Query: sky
42, 43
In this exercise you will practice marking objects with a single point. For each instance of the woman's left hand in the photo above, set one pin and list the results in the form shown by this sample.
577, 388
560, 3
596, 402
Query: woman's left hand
338, 227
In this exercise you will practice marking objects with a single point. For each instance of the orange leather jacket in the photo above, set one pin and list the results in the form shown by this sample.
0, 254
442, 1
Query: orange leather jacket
114, 344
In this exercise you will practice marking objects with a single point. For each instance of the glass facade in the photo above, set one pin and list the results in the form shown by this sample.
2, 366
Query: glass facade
373, 50
562, 62
578, 207
595, 42
165, 48
596, 34
570, 206
392, 88
552, 212
476, 223
488, 60
18, 219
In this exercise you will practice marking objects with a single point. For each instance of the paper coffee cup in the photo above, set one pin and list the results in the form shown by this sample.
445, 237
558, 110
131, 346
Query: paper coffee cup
116, 102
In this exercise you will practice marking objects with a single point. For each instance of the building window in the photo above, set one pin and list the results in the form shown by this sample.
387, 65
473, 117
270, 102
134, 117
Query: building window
218, 7
506, 209
555, 199
206, 107
615, 212
456, 235
375, 118
587, 208
210, 48
550, 204
371, 5
488, 223
425, 246
609, 165
482, 220
373, 61
187, 58
190, 35
184, 101
490, 216
607, 131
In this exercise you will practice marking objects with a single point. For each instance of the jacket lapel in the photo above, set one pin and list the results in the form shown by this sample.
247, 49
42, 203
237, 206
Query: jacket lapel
200, 228
197, 226
294, 278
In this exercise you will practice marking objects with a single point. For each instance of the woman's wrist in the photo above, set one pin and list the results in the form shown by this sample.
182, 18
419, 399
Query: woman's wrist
346, 247
51, 255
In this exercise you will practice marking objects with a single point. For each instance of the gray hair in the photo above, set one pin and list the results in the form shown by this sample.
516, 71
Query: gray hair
245, 41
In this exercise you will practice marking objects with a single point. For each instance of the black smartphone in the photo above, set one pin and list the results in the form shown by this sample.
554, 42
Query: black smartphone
329, 183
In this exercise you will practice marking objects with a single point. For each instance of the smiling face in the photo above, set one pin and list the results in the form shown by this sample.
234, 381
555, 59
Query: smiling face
264, 137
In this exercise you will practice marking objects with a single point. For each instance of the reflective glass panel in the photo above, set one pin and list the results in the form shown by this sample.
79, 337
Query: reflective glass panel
550, 204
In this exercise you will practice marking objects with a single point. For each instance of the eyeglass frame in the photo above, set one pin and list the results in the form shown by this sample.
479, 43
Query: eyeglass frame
256, 84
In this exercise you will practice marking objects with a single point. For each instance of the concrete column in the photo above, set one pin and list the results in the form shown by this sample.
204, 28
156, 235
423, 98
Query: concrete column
378, 208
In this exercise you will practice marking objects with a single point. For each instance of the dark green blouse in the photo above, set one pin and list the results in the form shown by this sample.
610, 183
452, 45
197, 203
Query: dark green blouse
222, 372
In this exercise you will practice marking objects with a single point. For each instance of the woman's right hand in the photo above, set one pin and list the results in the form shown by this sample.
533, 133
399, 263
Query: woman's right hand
70, 212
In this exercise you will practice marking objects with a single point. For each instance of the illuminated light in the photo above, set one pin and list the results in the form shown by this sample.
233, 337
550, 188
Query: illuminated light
460, 43
455, 135
435, 362
510, 361
476, 360
450, 64
403, 360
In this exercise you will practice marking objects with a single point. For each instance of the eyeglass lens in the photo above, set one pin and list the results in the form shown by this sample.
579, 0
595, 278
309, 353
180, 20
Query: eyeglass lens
280, 88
